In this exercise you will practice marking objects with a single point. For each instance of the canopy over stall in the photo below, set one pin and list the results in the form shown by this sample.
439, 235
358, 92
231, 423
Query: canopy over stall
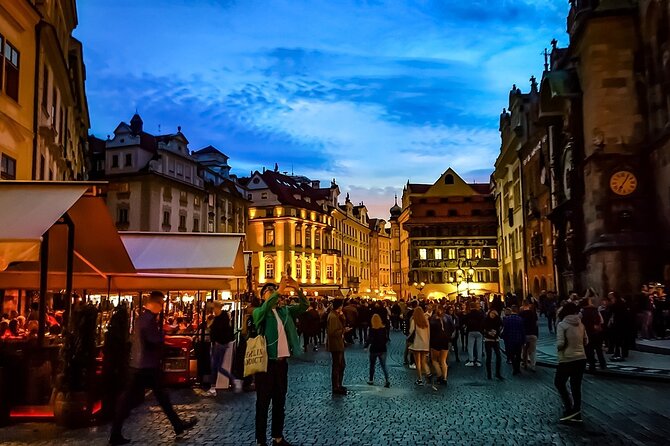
63, 225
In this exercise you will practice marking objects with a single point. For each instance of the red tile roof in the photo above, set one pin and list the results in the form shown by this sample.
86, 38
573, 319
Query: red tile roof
286, 189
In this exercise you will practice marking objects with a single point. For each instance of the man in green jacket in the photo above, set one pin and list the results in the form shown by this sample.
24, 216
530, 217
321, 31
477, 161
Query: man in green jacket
275, 320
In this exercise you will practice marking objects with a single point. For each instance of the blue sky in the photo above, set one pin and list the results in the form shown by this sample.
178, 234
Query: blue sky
370, 92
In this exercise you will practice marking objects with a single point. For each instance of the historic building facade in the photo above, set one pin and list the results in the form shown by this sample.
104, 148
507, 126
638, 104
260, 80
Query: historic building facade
44, 124
156, 185
351, 233
380, 258
509, 202
601, 148
519, 124
447, 239
290, 227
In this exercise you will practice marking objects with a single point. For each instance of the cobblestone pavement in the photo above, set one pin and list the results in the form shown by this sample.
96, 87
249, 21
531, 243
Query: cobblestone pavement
642, 365
469, 411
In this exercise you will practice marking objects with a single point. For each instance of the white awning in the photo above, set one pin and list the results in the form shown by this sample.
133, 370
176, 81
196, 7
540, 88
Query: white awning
28, 210
181, 253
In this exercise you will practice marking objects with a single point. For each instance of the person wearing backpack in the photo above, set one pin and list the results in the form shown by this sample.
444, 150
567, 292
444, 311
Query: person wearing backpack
441, 330
593, 324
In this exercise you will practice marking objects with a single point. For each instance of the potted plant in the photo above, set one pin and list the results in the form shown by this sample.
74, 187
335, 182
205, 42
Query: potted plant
72, 405
115, 357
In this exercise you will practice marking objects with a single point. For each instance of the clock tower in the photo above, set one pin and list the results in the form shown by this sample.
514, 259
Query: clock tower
600, 194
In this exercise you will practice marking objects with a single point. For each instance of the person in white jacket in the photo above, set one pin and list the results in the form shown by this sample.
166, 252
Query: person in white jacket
571, 340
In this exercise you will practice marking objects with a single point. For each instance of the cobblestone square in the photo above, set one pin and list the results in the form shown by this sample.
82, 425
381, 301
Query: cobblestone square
471, 410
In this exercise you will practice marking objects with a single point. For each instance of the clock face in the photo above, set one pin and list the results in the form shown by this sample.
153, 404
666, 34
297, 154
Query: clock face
623, 182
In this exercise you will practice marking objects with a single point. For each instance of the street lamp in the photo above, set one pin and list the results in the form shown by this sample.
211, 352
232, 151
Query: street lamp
420, 287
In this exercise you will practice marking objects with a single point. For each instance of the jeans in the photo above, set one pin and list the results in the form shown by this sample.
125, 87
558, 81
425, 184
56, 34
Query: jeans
382, 363
492, 346
573, 370
455, 344
337, 371
141, 379
593, 348
529, 350
474, 340
271, 386
551, 321
514, 353
362, 333
218, 353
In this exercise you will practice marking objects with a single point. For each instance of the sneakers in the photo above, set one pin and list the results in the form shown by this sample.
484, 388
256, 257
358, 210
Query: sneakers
185, 425
570, 414
412, 366
212, 391
418, 382
478, 364
577, 418
469, 364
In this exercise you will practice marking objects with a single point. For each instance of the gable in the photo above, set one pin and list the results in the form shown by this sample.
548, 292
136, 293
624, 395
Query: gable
256, 182
450, 185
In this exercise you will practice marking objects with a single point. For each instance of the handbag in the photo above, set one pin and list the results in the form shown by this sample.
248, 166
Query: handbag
256, 356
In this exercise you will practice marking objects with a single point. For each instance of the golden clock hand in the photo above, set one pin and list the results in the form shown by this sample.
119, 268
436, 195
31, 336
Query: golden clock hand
624, 182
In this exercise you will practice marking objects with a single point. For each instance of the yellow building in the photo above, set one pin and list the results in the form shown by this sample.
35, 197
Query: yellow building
352, 237
60, 98
380, 258
290, 226
18, 19
44, 121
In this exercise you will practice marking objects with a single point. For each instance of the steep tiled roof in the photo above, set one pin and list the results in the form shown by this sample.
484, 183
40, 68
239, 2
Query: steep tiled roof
481, 188
419, 188
286, 189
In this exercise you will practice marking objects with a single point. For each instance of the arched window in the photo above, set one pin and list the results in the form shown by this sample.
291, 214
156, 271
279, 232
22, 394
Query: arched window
449, 179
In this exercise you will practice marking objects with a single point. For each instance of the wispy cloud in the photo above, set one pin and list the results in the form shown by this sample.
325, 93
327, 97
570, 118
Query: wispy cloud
372, 93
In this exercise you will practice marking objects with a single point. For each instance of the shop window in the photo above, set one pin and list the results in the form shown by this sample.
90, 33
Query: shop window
7, 168
11, 71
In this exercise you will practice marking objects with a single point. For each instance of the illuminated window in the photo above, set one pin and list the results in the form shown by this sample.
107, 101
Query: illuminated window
451, 254
478, 253
298, 236
308, 270
269, 236
494, 253
423, 254
438, 254
317, 271
298, 268
329, 272
468, 253
269, 269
